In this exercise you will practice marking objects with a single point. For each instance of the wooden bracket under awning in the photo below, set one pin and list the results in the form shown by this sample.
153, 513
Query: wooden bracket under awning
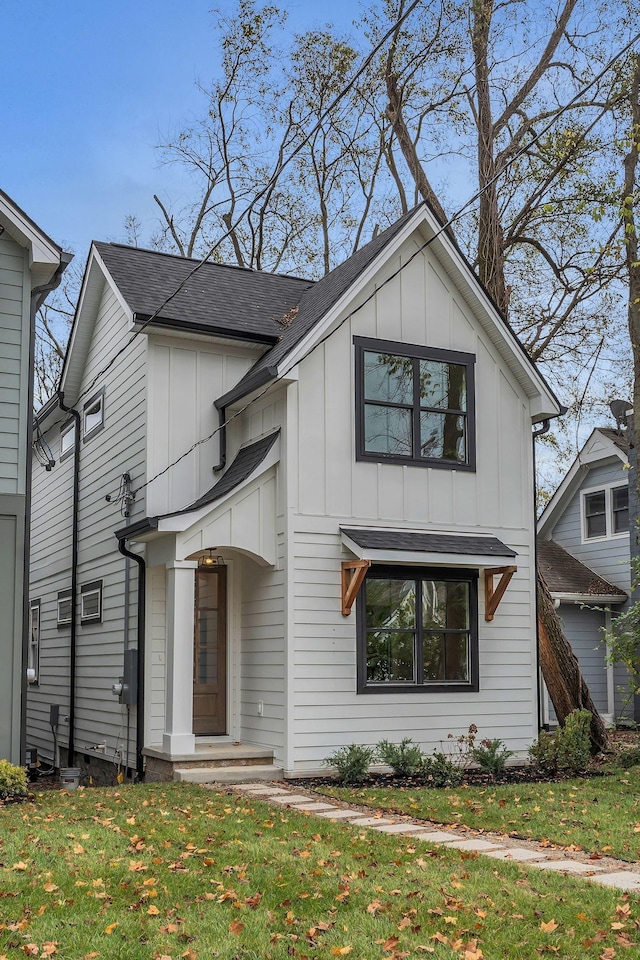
353, 573
493, 597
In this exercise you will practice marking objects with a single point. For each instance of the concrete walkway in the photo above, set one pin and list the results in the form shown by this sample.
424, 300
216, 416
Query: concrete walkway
603, 870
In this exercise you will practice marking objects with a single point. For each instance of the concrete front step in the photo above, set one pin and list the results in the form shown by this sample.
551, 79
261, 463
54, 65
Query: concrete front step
228, 774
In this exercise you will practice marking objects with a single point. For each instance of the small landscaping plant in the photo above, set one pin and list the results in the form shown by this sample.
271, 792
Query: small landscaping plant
406, 759
440, 770
491, 755
351, 763
568, 749
13, 781
629, 758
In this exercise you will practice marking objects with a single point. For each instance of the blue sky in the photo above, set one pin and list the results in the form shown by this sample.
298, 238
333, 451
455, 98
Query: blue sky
88, 88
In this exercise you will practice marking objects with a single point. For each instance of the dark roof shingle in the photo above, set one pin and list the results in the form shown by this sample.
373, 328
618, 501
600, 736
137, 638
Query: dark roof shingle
564, 574
616, 436
217, 299
377, 539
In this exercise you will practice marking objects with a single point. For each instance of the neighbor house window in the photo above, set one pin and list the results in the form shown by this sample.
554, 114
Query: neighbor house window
33, 653
91, 602
67, 439
418, 630
93, 415
414, 405
65, 610
605, 512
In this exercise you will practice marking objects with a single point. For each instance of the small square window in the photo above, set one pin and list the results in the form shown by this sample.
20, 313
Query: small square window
414, 405
65, 609
33, 653
93, 415
67, 439
91, 602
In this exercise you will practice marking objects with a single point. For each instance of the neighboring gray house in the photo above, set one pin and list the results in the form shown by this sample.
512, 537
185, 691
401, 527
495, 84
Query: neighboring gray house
351, 557
583, 553
31, 265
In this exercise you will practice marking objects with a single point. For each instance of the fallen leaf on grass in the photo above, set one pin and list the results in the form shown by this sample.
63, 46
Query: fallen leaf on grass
236, 927
20, 865
31, 949
549, 927
49, 948
340, 951
153, 911
50, 887
110, 928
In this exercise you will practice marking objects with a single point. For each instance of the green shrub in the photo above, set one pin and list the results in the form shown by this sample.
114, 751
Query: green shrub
568, 750
406, 759
13, 780
544, 753
574, 745
491, 755
440, 770
351, 763
629, 758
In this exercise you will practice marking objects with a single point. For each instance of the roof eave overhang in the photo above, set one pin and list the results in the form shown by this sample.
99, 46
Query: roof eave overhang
160, 324
45, 256
425, 557
565, 597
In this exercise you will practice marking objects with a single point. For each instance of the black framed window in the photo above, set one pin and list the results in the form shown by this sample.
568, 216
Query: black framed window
417, 630
91, 602
414, 405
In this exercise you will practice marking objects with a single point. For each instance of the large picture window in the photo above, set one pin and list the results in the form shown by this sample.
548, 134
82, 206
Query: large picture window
418, 630
414, 404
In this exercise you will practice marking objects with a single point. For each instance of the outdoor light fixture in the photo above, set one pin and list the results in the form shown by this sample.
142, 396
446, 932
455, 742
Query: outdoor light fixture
210, 561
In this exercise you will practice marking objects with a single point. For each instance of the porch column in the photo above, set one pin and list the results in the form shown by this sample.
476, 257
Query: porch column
178, 737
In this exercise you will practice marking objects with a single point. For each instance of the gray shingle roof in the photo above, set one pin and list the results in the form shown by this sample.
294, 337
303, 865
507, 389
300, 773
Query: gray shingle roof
247, 459
564, 574
228, 301
376, 539
314, 303
616, 436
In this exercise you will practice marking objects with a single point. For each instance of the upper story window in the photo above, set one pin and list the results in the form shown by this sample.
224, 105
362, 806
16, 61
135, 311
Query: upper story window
65, 609
91, 602
414, 405
93, 415
417, 630
605, 512
67, 439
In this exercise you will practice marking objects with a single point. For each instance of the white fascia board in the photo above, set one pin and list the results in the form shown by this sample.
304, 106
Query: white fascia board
43, 252
425, 558
183, 521
543, 404
574, 477
95, 275
587, 598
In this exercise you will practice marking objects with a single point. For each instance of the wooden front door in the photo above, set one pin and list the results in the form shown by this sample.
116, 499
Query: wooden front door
210, 653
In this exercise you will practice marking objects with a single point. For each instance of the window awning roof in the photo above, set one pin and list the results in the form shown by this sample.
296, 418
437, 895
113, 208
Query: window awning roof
406, 546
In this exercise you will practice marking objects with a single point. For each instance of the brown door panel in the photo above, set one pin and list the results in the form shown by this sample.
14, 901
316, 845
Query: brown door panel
210, 653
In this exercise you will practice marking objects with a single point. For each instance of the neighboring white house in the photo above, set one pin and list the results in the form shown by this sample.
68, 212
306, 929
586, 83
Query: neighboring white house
31, 265
350, 558
583, 553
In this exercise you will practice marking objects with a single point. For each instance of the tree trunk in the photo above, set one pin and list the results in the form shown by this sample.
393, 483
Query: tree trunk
629, 202
561, 671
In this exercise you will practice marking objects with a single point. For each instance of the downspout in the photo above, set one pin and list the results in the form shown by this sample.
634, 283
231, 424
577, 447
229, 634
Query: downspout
545, 426
74, 577
38, 296
142, 577
222, 428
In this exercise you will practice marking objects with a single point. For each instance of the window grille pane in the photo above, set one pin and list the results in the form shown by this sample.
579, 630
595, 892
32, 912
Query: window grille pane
388, 430
445, 604
390, 657
388, 378
443, 385
64, 610
442, 436
390, 604
594, 508
620, 503
91, 605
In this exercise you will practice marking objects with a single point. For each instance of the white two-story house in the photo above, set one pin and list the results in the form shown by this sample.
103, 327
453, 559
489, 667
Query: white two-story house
304, 512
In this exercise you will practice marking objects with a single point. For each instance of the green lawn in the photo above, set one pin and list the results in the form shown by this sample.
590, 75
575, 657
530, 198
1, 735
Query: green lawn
176, 871
600, 814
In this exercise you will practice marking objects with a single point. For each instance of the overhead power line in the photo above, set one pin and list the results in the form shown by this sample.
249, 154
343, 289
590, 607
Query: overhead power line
453, 219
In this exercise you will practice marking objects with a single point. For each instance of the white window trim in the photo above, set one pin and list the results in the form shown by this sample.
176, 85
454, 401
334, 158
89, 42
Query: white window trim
89, 590
63, 599
605, 488
33, 660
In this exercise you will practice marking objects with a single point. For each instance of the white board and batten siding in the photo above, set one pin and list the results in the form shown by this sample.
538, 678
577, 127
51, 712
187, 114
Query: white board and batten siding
330, 488
118, 448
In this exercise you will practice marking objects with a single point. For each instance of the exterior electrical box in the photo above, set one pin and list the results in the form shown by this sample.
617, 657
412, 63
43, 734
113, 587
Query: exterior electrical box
130, 679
